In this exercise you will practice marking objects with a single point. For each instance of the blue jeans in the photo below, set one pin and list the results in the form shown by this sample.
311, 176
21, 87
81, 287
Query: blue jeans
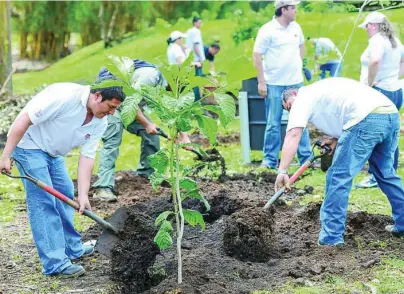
198, 73
51, 220
375, 139
397, 98
272, 140
331, 68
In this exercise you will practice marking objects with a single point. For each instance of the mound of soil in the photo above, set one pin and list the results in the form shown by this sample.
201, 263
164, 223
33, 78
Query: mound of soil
247, 235
282, 243
203, 141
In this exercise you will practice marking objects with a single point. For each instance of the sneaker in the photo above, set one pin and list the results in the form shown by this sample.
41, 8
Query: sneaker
72, 271
105, 194
369, 182
336, 245
391, 229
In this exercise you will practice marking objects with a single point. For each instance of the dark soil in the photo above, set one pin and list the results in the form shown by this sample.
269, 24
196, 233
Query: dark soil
203, 141
244, 248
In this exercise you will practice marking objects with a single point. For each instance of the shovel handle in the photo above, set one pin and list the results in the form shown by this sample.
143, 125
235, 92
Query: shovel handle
161, 133
76, 206
199, 154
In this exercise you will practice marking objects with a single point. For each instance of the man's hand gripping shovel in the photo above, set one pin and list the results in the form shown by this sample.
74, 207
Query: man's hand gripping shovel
312, 158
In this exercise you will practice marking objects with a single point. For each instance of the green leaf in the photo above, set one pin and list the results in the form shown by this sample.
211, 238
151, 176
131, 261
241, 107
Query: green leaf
188, 184
166, 226
162, 217
197, 81
228, 107
120, 67
168, 75
130, 108
194, 218
208, 127
159, 161
163, 239
156, 179
196, 194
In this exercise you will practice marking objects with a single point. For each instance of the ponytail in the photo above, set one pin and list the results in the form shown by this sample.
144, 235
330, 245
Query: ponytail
386, 29
169, 41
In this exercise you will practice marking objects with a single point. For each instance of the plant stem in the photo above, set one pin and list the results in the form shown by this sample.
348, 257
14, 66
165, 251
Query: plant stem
181, 215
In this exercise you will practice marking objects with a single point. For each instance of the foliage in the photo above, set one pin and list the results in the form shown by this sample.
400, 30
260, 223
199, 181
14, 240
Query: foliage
177, 110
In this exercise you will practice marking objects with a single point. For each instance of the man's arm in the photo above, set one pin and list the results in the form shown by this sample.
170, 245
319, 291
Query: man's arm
18, 130
150, 127
289, 148
376, 54
302, 51
262, 86
85, 170
401, 67
198, 52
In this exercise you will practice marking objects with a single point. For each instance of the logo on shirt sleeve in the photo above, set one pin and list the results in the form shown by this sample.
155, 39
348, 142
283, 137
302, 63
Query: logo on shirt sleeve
87, 137
38, 112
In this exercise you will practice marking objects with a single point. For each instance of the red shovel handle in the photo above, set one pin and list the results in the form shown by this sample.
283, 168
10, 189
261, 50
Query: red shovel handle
58, 195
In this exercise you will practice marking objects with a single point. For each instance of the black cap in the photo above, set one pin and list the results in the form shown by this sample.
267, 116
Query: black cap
196, 18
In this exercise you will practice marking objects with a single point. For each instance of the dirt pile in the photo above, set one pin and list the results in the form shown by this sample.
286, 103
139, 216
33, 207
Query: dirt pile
289, 234
247, 235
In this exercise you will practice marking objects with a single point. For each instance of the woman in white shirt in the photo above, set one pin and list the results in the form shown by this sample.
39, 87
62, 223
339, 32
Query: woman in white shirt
382, 65
177, 52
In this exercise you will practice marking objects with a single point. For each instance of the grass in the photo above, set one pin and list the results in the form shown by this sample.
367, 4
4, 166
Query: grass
83, 66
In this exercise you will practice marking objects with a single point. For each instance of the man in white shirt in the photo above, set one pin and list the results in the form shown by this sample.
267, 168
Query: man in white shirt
195, 43
323, 48
61, 117
363, 125
278, 53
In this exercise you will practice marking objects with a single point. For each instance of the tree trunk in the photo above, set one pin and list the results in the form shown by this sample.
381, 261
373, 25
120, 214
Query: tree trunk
5, 45
23, 44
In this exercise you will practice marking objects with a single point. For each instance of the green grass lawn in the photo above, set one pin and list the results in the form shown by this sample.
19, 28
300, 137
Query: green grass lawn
83, 66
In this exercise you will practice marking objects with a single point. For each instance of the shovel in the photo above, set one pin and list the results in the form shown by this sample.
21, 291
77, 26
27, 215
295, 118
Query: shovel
297, 174
112, 228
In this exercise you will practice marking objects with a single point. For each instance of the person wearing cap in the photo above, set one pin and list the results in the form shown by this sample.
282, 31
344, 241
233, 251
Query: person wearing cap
144, 73
210, 52
323, 47
58, 119
363, 125
194, 42
177, 52
382, 65
278, 53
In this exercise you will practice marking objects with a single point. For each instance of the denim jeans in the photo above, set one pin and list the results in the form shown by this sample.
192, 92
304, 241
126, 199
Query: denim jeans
198, 73
112, 139
375, 139
331, 68
272, 139
397, 98
51, 220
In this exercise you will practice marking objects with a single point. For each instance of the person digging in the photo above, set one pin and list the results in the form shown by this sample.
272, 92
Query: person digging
144, 73
58, 119
363, 125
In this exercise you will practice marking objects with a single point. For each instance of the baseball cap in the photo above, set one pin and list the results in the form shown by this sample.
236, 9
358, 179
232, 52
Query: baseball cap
373, 17
282, 3
176, 35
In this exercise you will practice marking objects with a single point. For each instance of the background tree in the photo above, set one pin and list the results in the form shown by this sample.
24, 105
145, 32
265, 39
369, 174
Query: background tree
5, 47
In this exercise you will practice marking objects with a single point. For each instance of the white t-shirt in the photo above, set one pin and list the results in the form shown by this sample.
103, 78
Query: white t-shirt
323, 48
389, 66
194, 37
173, 52
280, 48
334, 104
57, 114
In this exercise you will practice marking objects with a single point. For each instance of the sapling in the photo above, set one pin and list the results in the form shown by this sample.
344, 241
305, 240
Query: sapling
178, 112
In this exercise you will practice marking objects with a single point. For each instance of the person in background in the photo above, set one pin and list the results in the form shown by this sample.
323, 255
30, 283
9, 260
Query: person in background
323, 47
177, 52
194, 42
382, 66
278, 53
210, 52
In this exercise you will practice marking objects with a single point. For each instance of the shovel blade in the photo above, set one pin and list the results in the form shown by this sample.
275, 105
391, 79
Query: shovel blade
107, 240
